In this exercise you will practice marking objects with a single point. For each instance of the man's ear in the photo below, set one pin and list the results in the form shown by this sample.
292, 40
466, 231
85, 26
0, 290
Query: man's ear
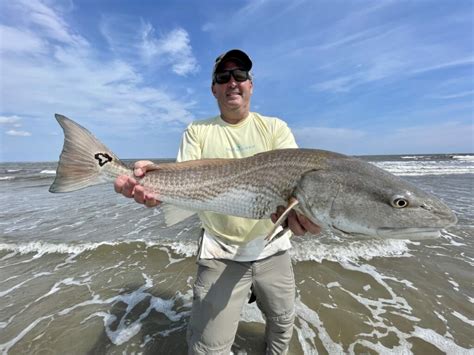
213, 89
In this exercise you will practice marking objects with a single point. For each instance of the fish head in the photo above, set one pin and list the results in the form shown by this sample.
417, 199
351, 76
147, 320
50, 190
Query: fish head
360, 199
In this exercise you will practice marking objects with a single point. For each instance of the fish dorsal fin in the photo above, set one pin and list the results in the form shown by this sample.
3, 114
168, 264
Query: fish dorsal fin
174, 215
292, 202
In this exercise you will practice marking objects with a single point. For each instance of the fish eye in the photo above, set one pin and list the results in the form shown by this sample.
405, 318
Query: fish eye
399, 202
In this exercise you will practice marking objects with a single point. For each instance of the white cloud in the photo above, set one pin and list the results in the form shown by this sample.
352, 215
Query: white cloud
68, 75
16, 133
209, 27
453, 96
13, 121
340, 84
445, 65
356, 49
370, 55
20, 41
9, 120
138, 41
174, 46
48, 21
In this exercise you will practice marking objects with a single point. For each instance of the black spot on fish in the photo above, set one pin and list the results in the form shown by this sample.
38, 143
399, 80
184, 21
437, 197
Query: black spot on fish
103, 158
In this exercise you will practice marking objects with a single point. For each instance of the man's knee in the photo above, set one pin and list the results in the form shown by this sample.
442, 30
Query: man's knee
281, 324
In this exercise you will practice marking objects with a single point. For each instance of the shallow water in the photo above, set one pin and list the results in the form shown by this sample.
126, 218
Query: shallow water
92, 272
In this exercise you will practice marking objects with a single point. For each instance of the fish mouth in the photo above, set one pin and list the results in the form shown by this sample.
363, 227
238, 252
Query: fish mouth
352, 233
409, 233
395, 233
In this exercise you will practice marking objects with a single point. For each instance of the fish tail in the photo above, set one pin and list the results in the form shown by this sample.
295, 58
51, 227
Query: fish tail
84, 161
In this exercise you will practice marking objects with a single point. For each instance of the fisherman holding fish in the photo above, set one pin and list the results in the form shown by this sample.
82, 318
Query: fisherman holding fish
233, 255
236, 195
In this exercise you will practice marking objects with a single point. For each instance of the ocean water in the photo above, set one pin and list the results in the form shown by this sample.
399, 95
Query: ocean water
91, 272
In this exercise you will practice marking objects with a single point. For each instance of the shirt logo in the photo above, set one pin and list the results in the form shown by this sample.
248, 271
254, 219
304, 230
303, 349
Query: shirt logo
240, 148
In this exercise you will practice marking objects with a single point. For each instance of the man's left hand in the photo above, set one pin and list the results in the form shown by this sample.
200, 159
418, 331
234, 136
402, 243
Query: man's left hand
297, 223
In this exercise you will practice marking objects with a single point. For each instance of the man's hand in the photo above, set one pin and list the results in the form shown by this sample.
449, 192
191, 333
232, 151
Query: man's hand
129, 187
297, 223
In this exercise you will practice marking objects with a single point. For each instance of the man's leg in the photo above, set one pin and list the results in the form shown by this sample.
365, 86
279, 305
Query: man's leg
274, 285
220, 290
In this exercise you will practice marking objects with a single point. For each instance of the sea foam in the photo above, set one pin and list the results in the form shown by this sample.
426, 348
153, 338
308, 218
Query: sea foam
350, 250
464, 157
429, 167
310, 250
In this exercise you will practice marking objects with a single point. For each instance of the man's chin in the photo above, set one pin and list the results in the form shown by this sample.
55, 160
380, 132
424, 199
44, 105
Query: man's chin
234, 102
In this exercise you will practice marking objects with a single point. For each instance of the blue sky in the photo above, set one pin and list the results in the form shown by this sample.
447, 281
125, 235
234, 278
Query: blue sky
357, 77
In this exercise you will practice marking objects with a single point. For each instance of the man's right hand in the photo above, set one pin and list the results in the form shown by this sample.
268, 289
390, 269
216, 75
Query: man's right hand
129, 187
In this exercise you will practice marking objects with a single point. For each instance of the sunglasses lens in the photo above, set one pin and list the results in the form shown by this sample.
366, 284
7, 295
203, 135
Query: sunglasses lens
224, 77
240, 75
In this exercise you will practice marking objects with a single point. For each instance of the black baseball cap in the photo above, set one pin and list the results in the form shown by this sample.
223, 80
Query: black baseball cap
236, 55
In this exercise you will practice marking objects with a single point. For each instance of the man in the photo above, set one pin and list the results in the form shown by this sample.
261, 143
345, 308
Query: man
233, 255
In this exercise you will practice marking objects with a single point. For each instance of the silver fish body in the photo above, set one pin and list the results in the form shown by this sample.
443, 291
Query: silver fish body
341, 192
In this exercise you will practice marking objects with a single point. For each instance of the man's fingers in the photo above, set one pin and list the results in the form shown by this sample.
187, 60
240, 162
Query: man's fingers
139, 194
294, 224
141, 167
151, 202
139, 172
128, 187
119, 182
273, 217
308, 225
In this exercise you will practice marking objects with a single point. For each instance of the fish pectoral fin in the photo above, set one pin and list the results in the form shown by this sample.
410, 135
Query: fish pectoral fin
292, 203
174, 214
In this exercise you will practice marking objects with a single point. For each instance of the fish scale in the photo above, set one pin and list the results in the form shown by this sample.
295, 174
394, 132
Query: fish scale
240, 187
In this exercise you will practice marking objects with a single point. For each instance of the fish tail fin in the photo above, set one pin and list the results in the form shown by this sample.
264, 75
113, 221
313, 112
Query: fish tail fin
84, 161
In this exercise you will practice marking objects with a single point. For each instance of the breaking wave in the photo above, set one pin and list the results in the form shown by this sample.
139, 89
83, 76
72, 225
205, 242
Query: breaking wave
301, 251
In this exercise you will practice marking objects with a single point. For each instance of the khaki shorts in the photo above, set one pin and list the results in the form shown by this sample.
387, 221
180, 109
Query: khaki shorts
220, 291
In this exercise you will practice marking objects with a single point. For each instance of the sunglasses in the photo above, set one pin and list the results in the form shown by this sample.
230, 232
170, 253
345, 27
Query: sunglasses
239, 75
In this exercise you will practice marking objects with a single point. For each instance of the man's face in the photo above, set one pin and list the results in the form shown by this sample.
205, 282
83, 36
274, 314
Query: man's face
233, 95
